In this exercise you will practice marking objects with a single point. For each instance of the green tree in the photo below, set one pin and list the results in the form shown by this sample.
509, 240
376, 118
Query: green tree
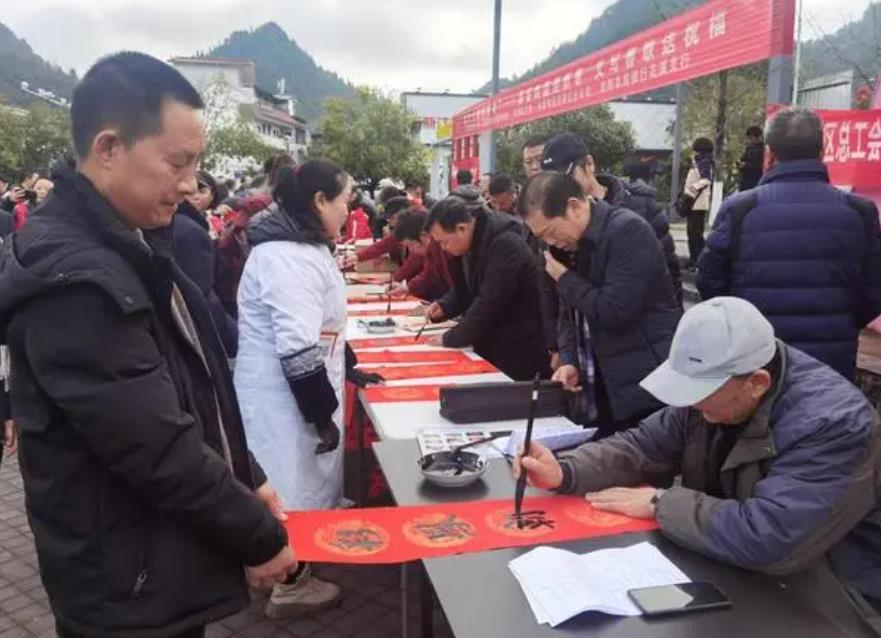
608, 140
371, 137
236, 143
33, 138
725, 120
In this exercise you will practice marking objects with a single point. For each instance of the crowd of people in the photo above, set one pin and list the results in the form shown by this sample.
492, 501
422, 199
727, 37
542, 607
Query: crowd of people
157, 474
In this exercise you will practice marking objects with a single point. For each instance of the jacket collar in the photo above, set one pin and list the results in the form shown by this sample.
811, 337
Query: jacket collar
797, 171
186, 209
599, 217
86, 202
616, 191
756, 442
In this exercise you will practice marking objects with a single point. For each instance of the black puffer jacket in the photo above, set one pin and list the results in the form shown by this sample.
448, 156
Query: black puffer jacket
642, 199
621, 287
496, 289
196, 254
135, 464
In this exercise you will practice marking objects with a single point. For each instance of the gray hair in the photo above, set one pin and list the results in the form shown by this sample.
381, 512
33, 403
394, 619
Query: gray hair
795, 133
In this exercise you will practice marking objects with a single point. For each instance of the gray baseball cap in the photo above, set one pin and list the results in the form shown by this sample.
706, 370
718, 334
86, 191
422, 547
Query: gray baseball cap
715, 341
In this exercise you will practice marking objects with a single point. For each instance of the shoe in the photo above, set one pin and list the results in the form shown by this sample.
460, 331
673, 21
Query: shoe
309, 595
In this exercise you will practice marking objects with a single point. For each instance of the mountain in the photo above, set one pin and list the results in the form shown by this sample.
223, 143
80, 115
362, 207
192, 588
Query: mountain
621, 19
277, 57
18, 63
855, 46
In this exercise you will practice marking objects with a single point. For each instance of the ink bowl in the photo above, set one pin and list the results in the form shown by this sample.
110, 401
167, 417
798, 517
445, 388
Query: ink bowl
378, 326
447, 469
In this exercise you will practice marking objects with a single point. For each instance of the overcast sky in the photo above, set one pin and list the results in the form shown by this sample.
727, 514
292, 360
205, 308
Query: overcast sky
393, 44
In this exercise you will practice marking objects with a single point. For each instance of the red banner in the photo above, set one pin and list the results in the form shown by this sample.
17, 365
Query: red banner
403, 534
718, 35
852, 148
403, 393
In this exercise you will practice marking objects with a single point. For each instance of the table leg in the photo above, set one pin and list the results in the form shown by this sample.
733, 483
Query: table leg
405, 624
360, 479
426, 603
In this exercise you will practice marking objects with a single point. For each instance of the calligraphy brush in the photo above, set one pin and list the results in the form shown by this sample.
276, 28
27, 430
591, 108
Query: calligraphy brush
521, 482
391, 278
419, 334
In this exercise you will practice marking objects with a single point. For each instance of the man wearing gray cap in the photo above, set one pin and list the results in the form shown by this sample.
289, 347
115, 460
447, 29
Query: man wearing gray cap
780, 459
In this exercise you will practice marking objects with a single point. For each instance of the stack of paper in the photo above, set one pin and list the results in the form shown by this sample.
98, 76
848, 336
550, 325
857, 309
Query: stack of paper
560, 585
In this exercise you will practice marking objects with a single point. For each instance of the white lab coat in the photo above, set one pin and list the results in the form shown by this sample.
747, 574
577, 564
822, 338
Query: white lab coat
291, 298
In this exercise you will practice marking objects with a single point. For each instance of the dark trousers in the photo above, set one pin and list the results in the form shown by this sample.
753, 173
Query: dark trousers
696, 222
198, 632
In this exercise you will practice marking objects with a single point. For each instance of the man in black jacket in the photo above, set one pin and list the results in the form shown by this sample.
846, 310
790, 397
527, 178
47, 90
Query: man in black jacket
140, 488
619, 311
495, 287
566, 153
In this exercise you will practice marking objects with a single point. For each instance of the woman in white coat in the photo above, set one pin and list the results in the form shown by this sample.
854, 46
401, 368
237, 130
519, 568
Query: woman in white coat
290, 370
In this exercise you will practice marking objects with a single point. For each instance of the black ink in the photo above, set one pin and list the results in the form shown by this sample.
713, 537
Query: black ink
451, 528
529, 521
363, 539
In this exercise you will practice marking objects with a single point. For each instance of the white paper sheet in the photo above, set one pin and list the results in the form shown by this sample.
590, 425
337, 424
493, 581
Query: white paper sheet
560, 585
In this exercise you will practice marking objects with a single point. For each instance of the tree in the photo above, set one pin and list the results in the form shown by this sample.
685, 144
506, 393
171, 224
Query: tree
33, 138
234, 147
232, 143
608, 140
722, 108
371, 137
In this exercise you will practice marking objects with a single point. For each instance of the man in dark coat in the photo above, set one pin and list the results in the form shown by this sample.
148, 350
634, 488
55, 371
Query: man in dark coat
495, 287
619, 311
752, 162
140, 488
567, 153
196, 254
805, 253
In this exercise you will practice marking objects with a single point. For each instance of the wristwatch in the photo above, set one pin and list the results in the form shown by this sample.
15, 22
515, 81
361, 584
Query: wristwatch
657, 496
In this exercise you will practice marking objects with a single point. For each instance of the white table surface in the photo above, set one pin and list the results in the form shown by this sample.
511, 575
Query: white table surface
395, 420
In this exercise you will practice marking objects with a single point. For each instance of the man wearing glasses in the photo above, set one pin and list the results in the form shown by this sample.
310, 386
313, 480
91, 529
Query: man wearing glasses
619, 309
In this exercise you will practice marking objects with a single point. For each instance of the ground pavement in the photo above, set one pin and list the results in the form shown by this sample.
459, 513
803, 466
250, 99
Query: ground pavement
371, 607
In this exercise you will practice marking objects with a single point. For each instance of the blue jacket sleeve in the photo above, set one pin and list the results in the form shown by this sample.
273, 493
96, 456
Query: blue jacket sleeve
714, 264
814, 494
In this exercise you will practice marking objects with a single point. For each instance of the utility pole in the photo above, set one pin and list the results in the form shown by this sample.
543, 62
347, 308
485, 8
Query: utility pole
497, 46
798, 27
677, 143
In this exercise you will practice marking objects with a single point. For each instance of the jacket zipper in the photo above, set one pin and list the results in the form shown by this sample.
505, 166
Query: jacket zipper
144, 572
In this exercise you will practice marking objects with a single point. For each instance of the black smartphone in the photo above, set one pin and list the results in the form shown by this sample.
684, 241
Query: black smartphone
677, 599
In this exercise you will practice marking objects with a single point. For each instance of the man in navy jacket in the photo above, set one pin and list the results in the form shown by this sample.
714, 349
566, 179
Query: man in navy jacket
807, 254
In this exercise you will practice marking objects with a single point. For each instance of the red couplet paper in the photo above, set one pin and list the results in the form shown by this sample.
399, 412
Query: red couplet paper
382, 342
421, 356
403, 393
403, 534
435, 370
394, 312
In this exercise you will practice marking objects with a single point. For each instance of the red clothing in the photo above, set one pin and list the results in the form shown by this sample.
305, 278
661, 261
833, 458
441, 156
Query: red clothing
357, 226
385, 246
20, 214
411, 267
434, 280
